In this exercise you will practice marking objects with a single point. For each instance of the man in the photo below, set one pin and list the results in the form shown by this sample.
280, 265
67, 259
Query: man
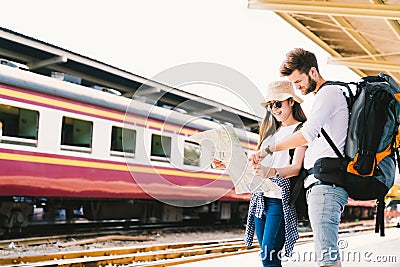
329, 111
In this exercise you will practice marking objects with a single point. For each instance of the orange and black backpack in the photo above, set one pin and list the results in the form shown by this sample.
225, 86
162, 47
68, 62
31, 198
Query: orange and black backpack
367, 170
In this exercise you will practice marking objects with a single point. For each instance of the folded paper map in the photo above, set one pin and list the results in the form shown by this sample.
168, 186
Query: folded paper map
226, 148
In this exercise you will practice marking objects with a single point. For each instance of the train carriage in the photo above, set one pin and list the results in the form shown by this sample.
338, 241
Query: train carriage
113, 157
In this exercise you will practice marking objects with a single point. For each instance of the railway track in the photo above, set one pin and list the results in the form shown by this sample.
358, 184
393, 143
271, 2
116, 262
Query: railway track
153, 255
93, 228
168, 254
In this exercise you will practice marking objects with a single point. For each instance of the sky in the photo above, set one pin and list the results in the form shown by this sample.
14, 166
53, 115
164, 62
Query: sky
149, 37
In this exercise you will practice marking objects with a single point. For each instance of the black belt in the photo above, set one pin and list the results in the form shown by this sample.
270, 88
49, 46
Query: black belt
318, 183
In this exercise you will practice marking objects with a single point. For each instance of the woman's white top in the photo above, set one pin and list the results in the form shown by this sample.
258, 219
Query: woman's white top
278, 159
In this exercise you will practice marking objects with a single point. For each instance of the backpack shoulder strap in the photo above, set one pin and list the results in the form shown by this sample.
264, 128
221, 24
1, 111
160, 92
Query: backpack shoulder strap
298, 127
331, 143
350, 100
350, 96
291, 151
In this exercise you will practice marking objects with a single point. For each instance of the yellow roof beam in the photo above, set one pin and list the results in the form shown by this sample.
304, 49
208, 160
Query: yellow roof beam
378, 65
304, 30
348, 9
359, 39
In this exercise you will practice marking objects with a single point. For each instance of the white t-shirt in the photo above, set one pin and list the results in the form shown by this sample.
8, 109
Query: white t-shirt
280, 158
329, 111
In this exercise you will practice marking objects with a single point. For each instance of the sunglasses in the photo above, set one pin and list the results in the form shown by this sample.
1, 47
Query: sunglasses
276, 104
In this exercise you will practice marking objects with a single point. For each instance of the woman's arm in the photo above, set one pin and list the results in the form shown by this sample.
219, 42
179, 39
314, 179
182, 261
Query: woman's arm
284, 171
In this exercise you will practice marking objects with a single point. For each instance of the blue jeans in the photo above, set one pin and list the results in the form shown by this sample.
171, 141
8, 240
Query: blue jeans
325, 205
270, 231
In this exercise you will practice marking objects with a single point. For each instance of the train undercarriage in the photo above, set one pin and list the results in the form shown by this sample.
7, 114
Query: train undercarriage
18, 212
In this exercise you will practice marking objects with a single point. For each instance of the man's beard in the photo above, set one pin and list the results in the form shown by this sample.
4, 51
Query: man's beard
312, 85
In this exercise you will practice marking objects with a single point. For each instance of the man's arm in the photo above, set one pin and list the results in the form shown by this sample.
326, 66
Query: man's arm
284, 171
295, 140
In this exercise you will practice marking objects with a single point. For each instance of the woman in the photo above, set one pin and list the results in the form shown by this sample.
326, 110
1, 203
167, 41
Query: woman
275, 222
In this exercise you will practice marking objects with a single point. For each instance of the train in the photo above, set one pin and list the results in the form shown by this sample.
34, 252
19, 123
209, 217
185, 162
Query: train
103, 156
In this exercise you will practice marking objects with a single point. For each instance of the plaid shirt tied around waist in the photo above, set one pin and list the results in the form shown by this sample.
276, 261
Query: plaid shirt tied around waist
256, 208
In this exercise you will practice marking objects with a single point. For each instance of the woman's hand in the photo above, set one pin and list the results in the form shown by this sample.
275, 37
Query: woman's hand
257, 157
261, 171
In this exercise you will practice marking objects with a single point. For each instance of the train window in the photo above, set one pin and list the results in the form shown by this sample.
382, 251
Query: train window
160, 147
191, 154
19, 125
123, 141
76, 135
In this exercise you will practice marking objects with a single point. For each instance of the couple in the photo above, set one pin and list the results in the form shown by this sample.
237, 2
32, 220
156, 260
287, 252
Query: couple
273, 220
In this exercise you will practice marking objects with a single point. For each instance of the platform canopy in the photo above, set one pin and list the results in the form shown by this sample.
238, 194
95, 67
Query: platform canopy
363, 35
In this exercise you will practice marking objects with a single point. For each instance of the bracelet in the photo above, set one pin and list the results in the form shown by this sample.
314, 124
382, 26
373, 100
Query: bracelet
277, 175
268, 150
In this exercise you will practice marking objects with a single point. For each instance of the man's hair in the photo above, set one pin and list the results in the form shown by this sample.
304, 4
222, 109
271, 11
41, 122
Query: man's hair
298, 59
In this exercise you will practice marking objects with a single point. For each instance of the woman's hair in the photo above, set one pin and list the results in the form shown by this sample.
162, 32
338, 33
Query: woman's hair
270, 124
298, 59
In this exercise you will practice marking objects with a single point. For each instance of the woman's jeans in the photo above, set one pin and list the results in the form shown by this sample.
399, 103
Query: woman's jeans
270, 231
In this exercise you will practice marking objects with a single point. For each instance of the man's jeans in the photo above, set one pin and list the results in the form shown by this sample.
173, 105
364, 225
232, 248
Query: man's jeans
325, 205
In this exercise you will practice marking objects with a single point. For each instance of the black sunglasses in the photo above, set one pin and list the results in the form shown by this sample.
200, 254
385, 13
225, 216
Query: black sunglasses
276, 104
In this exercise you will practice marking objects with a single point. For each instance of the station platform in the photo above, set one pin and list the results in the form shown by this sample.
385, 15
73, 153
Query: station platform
361, 249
